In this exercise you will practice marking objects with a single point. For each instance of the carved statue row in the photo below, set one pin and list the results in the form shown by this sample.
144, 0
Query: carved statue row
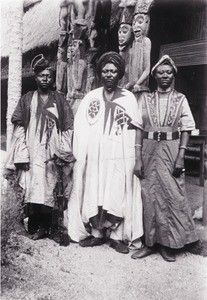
85, 26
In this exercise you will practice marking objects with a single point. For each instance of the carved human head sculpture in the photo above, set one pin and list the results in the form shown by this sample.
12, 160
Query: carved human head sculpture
75, 47
61, 54
141, 20
75, 50
69, 53
125, 34
140, 25
125, 27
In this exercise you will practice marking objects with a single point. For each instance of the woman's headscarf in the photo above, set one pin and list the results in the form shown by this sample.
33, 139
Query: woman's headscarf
111, 58
164, 60
39, 63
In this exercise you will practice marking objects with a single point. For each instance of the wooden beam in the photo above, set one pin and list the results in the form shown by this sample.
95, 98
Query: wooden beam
188, 53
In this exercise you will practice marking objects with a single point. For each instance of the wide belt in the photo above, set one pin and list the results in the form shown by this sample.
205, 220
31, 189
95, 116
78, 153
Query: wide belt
161, 136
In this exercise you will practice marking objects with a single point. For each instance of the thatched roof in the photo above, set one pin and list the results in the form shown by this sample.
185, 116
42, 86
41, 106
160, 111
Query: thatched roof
40, 26
29, 3
40, 23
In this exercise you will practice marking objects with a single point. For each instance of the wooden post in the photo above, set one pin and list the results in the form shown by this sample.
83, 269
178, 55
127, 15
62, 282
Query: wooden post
15, 19
205, 191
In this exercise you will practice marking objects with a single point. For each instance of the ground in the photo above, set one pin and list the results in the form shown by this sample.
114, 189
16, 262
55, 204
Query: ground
42, 270
45, 271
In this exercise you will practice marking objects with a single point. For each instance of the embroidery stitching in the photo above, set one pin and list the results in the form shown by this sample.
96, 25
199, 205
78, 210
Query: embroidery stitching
153, 109
50, 123
172, 110
121, 119
93, 108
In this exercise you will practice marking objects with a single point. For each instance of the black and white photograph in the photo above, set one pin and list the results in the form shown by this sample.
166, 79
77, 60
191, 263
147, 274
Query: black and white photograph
103, 149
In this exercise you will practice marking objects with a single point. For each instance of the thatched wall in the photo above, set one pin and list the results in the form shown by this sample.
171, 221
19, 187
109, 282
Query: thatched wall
40, 26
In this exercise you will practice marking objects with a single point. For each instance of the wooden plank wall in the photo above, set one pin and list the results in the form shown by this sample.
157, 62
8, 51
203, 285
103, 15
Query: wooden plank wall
188, 53
196, 23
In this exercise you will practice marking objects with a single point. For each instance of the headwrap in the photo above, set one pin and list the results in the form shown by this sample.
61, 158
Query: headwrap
39, 63
165, 59
111, 58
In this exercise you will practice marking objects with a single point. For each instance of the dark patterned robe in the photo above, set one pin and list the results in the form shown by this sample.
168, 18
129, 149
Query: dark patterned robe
41, 129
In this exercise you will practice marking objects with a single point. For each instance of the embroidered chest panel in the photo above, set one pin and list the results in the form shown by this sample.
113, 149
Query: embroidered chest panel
152, 103
113, 114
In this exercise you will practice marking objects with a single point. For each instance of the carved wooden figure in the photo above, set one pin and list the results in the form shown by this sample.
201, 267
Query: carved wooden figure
94, 8
91, 79
139, 64
86, 23
125, 40
76, 73
81, 8
61, 74
63, 16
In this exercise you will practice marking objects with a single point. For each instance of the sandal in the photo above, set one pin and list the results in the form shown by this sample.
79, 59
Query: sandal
92, 241
144, 252
39, 234
119, 246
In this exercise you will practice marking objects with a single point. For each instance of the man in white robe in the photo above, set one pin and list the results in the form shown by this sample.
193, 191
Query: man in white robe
106, 195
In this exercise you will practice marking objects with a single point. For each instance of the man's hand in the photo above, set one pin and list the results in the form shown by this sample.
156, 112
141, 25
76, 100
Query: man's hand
22, 166
59, 162
139, 169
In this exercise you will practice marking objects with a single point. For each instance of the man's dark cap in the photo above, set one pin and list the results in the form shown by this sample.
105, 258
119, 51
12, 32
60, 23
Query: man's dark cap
39, 63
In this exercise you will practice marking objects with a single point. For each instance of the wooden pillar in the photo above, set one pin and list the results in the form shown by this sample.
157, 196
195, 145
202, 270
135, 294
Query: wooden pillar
15, 19
205, 191
203, 118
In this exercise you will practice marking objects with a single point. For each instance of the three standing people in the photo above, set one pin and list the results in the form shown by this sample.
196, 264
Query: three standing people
109, 131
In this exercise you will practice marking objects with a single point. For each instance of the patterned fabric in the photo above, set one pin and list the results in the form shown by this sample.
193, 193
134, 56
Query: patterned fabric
21, 115
177, 114
103, 173
167, 215
38, 135
93, 109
